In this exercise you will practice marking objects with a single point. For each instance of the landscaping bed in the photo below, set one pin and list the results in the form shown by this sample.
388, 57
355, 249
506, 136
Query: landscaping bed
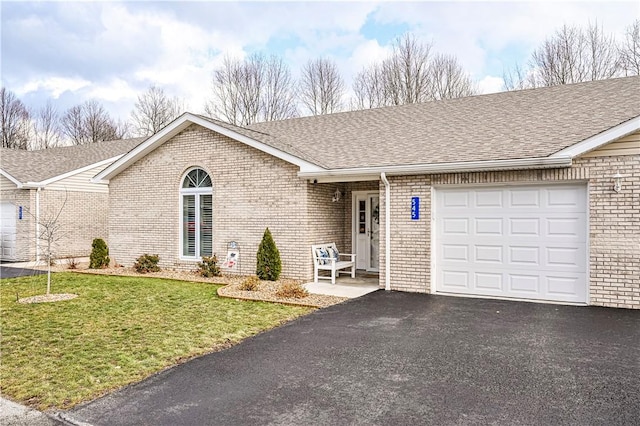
266, 290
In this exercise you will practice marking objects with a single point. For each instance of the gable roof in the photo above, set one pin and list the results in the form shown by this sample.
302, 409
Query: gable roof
40, 166
534, 128
521, 124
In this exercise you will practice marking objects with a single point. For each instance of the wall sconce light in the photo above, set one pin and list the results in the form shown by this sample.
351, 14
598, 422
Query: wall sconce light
336, 196
617, 182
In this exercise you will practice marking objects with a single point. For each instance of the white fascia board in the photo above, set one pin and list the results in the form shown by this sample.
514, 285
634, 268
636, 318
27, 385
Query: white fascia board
178, 125
600, 139
11, 178
373, 173
76, 171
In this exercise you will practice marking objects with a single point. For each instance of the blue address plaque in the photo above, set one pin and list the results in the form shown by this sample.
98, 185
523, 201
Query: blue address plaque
415, 208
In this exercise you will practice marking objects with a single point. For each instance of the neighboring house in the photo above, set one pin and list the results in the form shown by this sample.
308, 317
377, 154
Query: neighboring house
507, 195
34, 186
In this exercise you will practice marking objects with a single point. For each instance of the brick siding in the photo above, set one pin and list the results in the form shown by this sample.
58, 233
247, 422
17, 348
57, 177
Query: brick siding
614, 225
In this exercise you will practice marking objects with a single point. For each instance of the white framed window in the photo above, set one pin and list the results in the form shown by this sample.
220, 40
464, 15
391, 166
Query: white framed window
196, 215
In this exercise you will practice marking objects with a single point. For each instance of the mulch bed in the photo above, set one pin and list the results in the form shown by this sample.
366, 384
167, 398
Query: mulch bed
266, 290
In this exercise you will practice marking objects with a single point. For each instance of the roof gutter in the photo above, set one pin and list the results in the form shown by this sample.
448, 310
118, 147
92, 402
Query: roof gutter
374, 173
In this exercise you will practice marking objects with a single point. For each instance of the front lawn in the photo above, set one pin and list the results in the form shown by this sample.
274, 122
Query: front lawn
118, 331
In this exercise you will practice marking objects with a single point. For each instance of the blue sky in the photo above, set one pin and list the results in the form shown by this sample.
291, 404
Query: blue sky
70, 52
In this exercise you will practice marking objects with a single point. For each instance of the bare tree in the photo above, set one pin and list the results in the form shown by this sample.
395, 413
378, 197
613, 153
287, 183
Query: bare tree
255, 89
448, 79
369, 88
46, 127
411, 74
321, 87
406, 72
630, 49
15, 121
89, 123
571, 55
154, 110
50, 233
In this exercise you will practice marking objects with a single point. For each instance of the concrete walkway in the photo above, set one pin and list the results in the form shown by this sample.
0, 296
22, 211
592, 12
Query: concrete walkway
345, 286
13, 414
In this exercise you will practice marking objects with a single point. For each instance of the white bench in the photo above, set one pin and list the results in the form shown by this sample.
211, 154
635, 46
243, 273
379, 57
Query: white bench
326, 257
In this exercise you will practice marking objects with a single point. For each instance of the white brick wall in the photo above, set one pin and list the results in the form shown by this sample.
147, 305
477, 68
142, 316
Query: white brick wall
83, 218
614, 240
253, 190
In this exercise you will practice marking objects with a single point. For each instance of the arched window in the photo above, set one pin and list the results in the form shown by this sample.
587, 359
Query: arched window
196, 200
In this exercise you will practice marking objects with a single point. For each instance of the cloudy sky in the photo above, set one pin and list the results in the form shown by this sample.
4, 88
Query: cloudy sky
70, 52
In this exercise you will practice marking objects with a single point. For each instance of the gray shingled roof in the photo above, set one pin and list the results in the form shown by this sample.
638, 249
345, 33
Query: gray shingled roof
40, 165
509, 125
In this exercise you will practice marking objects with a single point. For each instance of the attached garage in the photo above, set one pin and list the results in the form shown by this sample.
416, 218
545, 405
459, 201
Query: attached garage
7, 231
521, 241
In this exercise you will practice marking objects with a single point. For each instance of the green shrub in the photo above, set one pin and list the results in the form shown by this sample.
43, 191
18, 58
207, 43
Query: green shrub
99, 257
147, 263
292, 289
268, 258
209, 267
250, 283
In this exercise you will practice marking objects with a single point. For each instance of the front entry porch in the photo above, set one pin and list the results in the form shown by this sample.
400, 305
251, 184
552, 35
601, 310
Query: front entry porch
345, 286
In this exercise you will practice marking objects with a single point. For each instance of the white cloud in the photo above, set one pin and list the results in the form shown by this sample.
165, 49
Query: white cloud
490, 84
114, 51
54, 86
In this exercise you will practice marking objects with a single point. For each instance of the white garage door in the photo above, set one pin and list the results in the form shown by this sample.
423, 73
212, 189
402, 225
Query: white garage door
525, 242
7, 231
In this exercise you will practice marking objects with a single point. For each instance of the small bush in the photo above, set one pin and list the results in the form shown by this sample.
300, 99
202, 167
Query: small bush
99, 257
250, 283
209, 267
147, 263
72, 263
292, 289
268, 258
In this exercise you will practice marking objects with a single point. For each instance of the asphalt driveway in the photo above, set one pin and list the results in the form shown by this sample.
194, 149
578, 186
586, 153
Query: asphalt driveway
13, 272
398, 358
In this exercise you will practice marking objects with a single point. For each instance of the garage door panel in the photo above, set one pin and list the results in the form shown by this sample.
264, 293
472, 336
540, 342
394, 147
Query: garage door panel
456, 226
492, 198
524, 256
565, 199
565, 226
524, 226
488, 254
519, 198
523, 284
455, 280
455, 252
488, 226
490, 282
526, 242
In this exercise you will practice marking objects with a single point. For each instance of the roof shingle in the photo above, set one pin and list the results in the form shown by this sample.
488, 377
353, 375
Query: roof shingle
40, 165
501, 126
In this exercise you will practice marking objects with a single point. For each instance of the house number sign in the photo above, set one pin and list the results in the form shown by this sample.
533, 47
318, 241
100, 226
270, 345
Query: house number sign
415, 208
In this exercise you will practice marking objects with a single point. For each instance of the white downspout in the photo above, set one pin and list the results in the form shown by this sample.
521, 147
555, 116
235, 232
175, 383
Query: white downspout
38, 224
387, 232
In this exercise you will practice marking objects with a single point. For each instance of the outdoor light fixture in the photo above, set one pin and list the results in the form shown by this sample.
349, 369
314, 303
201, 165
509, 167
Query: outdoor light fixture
336, 196
617, 182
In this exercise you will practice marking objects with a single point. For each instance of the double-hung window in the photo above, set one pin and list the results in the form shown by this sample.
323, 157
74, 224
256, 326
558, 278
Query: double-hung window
196, 198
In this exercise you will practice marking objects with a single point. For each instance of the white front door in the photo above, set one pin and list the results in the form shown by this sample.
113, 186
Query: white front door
7, 231
366, 218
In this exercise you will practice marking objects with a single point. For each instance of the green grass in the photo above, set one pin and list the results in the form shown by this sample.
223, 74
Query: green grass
118, 331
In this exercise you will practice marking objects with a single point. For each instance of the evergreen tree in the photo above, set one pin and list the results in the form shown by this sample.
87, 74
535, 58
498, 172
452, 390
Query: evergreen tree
268, 258
99, 257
